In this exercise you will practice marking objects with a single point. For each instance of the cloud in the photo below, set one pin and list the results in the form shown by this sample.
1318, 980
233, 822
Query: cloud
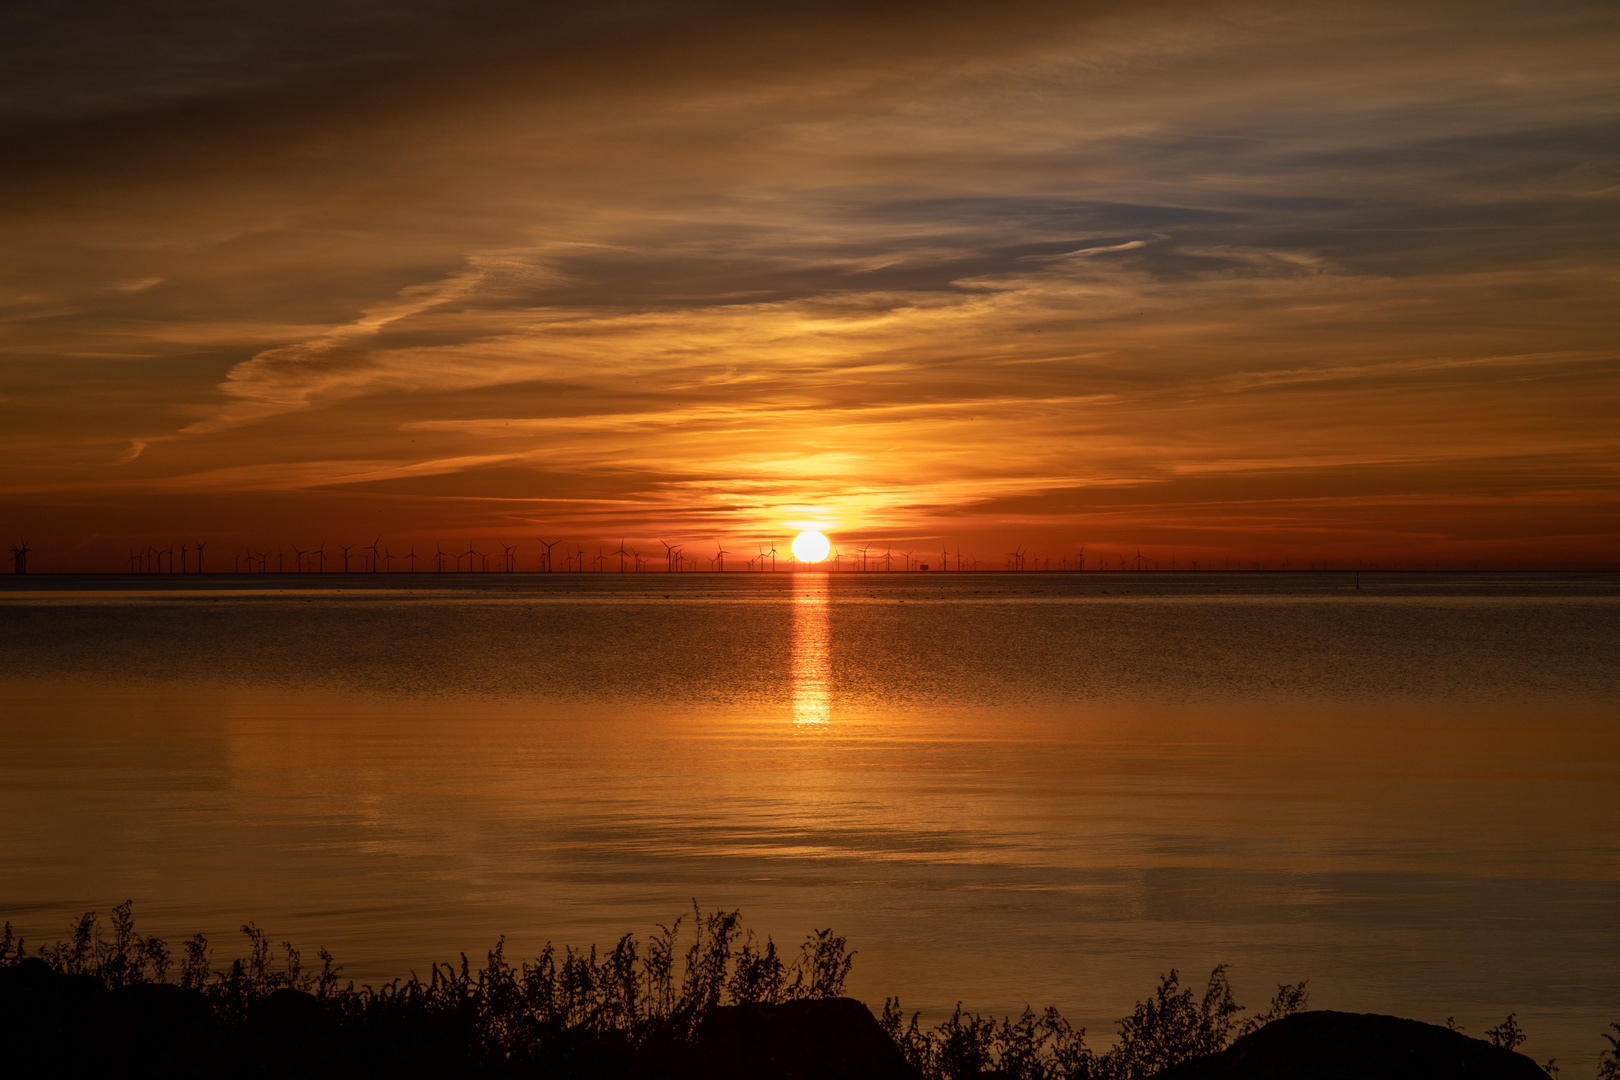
724, 263
337, 363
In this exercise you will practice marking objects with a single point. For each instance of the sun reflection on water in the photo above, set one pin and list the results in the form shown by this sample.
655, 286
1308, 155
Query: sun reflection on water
812, 664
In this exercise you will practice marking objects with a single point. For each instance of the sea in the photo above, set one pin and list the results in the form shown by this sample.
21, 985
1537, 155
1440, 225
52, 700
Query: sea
1005, 789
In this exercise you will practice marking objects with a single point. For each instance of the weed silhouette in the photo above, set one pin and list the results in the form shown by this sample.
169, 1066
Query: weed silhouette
101, 1001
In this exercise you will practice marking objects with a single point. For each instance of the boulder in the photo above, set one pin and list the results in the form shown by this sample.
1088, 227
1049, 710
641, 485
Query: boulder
50, 1024
832, 1039
287, 1034
1326, 1045
158, 1029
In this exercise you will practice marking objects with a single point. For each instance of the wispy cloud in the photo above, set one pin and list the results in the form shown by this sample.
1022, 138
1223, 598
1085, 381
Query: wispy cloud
686, 265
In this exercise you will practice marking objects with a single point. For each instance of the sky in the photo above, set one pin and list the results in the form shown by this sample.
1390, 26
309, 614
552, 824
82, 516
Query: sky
1324, 283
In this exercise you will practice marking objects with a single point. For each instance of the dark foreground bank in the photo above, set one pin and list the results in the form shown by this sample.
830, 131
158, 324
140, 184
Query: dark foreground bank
713, 1003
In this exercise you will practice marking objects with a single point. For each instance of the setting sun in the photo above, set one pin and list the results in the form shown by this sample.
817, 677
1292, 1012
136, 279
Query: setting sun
810, 546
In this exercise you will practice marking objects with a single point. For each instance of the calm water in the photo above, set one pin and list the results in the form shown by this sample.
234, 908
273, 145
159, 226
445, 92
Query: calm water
1003, 788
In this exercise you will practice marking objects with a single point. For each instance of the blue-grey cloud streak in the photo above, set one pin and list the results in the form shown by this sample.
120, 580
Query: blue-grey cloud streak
1321, 278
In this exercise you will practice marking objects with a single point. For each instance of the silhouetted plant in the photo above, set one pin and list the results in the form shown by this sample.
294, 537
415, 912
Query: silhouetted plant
582, 1013
822, 967
1172, 1026
661, 968
75, 956
326, 982
1508, 1034
194, 969
1290, 998
965, 1046
1609, 1060
759, 976
707, 962
11, 946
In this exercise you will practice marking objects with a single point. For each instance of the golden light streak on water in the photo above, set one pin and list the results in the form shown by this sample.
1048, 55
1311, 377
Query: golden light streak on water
812, 662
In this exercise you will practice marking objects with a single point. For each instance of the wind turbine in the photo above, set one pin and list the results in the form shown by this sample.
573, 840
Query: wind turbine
412, 558
720, 554
372, 547
345, 548
19, 557
772, 554
907, 556
546, 562
200, 546
621, 553
669, 556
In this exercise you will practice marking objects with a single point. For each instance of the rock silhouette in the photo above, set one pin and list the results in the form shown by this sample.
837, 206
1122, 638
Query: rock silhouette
62, 1024
1325, 1045
66, 1025
832, 1039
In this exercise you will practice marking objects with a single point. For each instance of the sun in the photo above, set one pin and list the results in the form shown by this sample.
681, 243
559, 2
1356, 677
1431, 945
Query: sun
810, 546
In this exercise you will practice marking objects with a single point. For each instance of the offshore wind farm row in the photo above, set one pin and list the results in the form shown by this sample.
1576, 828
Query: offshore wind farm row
572, 557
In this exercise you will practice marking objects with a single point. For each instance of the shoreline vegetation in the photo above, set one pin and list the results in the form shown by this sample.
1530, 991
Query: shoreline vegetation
111, 998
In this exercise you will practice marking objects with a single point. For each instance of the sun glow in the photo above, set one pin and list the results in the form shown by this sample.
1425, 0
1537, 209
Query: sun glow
810, 547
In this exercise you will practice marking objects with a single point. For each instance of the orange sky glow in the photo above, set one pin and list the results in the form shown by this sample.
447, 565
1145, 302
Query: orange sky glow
1222, 282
